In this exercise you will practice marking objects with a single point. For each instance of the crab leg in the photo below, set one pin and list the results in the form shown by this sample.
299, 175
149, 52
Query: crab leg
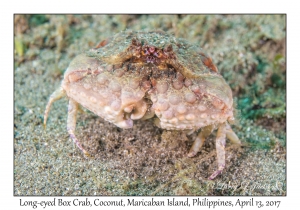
220, 147
199, 141
230, 134
56, 95
71, 124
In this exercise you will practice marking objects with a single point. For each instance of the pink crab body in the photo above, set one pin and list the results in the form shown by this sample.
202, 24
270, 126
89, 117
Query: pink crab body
142, 75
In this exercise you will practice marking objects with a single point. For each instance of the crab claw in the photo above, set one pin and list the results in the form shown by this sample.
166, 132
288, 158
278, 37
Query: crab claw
139, 110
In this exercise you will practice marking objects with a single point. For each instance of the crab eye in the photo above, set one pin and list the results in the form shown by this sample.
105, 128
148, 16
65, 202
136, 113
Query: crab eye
146, 51
151, 49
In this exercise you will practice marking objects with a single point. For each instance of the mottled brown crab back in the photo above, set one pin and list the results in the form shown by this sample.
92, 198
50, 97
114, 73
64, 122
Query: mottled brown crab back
165, 53
166, 49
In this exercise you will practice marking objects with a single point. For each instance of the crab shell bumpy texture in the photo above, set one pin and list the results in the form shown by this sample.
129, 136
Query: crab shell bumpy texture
188, 94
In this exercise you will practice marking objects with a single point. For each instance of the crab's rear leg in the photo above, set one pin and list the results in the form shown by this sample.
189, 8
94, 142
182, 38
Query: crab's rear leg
199, 141
71, 124
56, 95
220, 147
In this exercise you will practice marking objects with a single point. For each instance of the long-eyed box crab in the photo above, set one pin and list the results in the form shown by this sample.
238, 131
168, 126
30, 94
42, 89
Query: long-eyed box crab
142, 75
